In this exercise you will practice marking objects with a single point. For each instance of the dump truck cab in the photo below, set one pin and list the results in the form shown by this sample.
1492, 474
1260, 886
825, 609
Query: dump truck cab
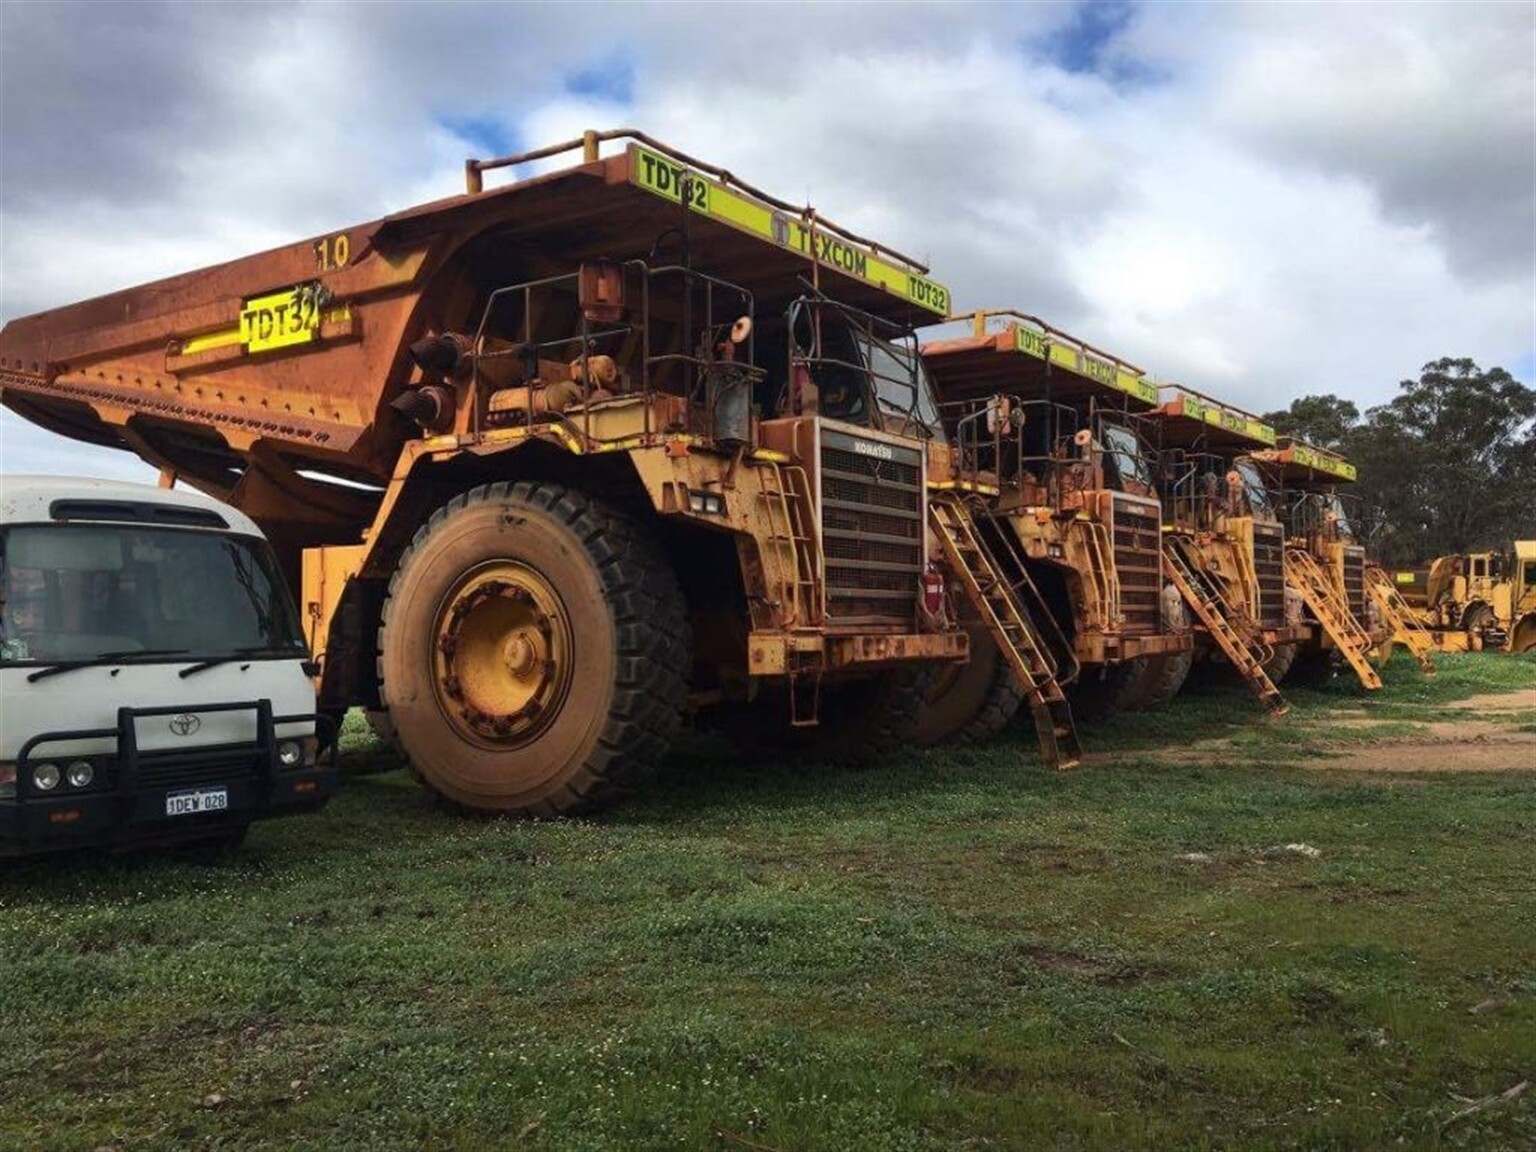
1055, 434
554, 462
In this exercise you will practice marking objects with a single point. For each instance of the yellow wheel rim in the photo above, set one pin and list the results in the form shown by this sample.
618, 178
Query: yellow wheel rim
503, 654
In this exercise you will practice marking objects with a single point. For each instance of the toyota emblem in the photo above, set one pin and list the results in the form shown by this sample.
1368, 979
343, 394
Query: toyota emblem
185, 724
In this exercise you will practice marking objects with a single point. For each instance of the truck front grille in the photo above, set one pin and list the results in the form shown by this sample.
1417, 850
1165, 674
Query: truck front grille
1135, 531
1269, 566
872, 507
198, 766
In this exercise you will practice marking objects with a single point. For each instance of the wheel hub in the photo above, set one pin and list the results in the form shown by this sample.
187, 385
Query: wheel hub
503, 654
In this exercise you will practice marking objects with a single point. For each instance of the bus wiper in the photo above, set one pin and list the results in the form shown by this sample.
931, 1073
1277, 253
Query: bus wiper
103, 658
239, 654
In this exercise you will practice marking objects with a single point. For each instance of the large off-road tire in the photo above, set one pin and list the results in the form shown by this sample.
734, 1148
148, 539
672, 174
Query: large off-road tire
971, 701
1101, 692
1139, 684
863, 722
534, 650
1280, 662
1522, 637
1313, 669
1476, 617
1166, 676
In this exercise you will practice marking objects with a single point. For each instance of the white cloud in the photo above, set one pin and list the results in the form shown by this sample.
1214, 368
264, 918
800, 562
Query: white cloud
1262, 200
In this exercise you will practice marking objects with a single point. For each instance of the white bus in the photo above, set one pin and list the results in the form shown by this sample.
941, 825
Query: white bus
154, 680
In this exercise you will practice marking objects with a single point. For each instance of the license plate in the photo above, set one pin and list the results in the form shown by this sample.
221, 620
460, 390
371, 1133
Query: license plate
201, 800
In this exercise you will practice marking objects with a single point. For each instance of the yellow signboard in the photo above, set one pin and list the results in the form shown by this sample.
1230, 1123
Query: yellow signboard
1042, 347
666, 178
1310, 457
280, 319
1031, 343
1220, 416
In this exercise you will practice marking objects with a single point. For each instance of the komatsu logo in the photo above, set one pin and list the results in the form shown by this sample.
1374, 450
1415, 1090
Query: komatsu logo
878, 451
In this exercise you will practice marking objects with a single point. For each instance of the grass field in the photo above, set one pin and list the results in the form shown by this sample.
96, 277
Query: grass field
955, 951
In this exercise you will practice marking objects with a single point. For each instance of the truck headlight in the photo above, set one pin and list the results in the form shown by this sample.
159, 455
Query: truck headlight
80, 774
711, 503
290, 754
45, 777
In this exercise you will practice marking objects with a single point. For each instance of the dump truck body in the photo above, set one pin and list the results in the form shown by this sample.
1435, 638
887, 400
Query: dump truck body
608, 442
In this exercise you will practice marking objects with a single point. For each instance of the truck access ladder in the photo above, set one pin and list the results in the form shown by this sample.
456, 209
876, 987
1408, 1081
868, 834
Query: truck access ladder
1400, 617
1213, 611
794, 563
1016, 633
1332, 612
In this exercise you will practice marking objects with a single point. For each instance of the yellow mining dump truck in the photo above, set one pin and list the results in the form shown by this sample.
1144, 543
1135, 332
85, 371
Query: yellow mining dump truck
1050, 435
1223, 543
1348, 604
553, 462
1477, 601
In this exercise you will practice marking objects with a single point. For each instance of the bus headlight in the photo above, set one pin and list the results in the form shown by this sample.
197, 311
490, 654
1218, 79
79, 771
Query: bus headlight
295, 752
80, 774
45, 777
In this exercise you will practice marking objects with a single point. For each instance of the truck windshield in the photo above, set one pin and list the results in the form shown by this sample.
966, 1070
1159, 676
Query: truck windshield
867, 370
1128, 470
1341, 522
1254, 488
98, 592
902, 387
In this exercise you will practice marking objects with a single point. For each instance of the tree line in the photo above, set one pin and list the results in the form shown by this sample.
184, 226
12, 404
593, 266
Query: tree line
1447, 466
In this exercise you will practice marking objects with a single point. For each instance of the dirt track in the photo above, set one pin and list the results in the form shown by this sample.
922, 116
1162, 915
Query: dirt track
1513, 753
1489, 739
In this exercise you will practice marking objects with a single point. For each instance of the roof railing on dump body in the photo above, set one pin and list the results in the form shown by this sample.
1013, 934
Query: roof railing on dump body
589, 141
979, 320
1208, 398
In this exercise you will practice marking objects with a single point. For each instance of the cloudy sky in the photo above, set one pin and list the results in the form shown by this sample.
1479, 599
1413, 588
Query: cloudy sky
1259, 200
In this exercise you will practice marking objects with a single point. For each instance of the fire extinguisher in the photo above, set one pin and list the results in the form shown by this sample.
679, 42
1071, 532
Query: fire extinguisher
933, 601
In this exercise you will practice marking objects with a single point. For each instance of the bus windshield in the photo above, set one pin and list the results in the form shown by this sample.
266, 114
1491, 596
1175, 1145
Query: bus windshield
86, 592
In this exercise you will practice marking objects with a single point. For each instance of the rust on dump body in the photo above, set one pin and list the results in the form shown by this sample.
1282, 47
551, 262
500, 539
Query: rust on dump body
250, 378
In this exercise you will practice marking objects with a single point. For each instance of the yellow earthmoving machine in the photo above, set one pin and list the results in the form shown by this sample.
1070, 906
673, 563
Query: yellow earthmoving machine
555, 462
1223, 544
1477, 601
1049, 442
1350, 606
